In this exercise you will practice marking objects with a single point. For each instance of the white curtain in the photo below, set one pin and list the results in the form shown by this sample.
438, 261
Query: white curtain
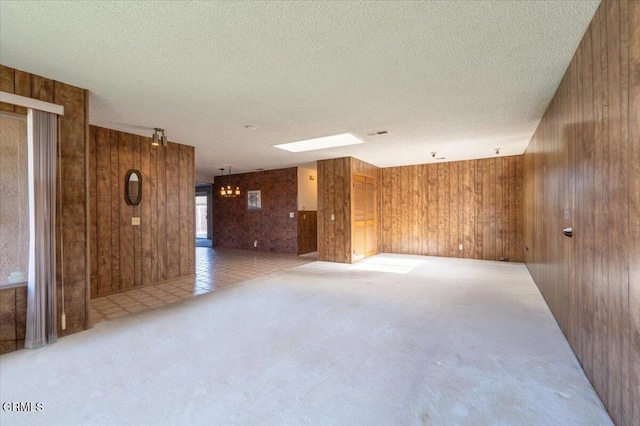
41, 293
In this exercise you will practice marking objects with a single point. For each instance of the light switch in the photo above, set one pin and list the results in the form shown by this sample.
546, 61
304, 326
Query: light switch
135, 221
566, 215
333, 216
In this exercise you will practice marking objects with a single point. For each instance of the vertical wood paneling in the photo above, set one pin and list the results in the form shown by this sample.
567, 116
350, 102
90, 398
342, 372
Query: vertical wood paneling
323, 210
396, 218
103, 215
22, 87
456, 208
129, 255
93, 196
154, 211
114, 205
42, 88
145, 211
631, 341
125, 229
335, 180
72, 223
586, 150
479, 208
432, 209
185, 195
468, 217
307, 231
7, 84
420, 243
161, 168
137, 212
192, 209
173, 211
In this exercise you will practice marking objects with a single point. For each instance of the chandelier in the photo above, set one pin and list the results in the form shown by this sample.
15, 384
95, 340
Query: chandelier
227, 192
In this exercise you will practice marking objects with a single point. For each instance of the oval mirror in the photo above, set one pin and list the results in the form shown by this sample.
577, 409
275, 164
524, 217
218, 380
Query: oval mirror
133, 187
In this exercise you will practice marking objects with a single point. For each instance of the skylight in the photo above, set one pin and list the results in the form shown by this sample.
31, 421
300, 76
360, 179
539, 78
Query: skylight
343, 139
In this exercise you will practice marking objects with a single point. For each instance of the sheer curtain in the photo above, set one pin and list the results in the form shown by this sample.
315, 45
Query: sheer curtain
41, 293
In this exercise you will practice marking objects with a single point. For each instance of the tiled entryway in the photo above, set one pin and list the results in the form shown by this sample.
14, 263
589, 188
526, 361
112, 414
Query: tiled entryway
215, 268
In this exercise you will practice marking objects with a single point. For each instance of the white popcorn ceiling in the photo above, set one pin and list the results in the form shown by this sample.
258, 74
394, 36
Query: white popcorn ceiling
458, 78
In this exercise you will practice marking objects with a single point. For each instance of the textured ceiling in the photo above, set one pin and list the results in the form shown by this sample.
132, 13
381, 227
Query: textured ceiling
459, 78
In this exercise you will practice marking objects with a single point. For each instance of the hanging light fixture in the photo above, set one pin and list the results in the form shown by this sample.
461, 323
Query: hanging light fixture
228, 192
159, 136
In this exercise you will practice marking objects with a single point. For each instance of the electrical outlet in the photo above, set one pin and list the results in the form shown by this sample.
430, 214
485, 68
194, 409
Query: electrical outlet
333, 216
135, 221
292, 215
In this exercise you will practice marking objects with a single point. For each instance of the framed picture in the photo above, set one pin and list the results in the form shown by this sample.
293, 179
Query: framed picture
254, 200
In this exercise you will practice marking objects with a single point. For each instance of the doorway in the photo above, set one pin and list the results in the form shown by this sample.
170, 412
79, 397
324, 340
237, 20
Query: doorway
203, 214
364, 217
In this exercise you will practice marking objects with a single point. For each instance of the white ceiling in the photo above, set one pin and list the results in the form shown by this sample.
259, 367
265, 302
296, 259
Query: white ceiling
459, 78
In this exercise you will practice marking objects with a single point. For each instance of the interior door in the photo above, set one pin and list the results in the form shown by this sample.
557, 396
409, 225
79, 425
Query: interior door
364, 218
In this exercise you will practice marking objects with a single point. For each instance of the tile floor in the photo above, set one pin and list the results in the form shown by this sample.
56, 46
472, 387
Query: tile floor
215, 268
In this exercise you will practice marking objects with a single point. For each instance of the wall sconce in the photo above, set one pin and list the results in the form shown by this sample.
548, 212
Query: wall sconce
159, 136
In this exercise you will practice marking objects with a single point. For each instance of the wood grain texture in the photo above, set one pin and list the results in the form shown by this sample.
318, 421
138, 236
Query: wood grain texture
93, 225
125, 229
307, 231
583, 158
335, 184
13, 312
72, 222
173, 210
130, 256
451, 204
631, 343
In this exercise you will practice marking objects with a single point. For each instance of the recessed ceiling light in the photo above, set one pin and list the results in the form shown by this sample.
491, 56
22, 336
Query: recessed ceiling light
343, 139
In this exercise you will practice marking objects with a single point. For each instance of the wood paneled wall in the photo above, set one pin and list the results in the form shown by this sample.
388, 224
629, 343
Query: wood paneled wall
432, 209
73, 136
162, 247
335, 180
334, 210
13, 318
585, 158
307, 231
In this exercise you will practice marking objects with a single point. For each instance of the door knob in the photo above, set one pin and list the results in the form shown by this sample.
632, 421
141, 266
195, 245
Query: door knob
568, 232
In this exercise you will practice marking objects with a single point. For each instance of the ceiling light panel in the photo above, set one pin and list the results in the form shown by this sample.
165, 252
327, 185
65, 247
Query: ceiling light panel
343, 139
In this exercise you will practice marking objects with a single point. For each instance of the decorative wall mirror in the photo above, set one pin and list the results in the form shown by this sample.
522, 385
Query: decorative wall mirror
133, 187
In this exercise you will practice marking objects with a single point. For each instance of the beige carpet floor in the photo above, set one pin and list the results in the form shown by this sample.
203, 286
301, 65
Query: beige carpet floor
393, 340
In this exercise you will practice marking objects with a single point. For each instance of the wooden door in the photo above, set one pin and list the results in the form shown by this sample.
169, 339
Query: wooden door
363, 218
